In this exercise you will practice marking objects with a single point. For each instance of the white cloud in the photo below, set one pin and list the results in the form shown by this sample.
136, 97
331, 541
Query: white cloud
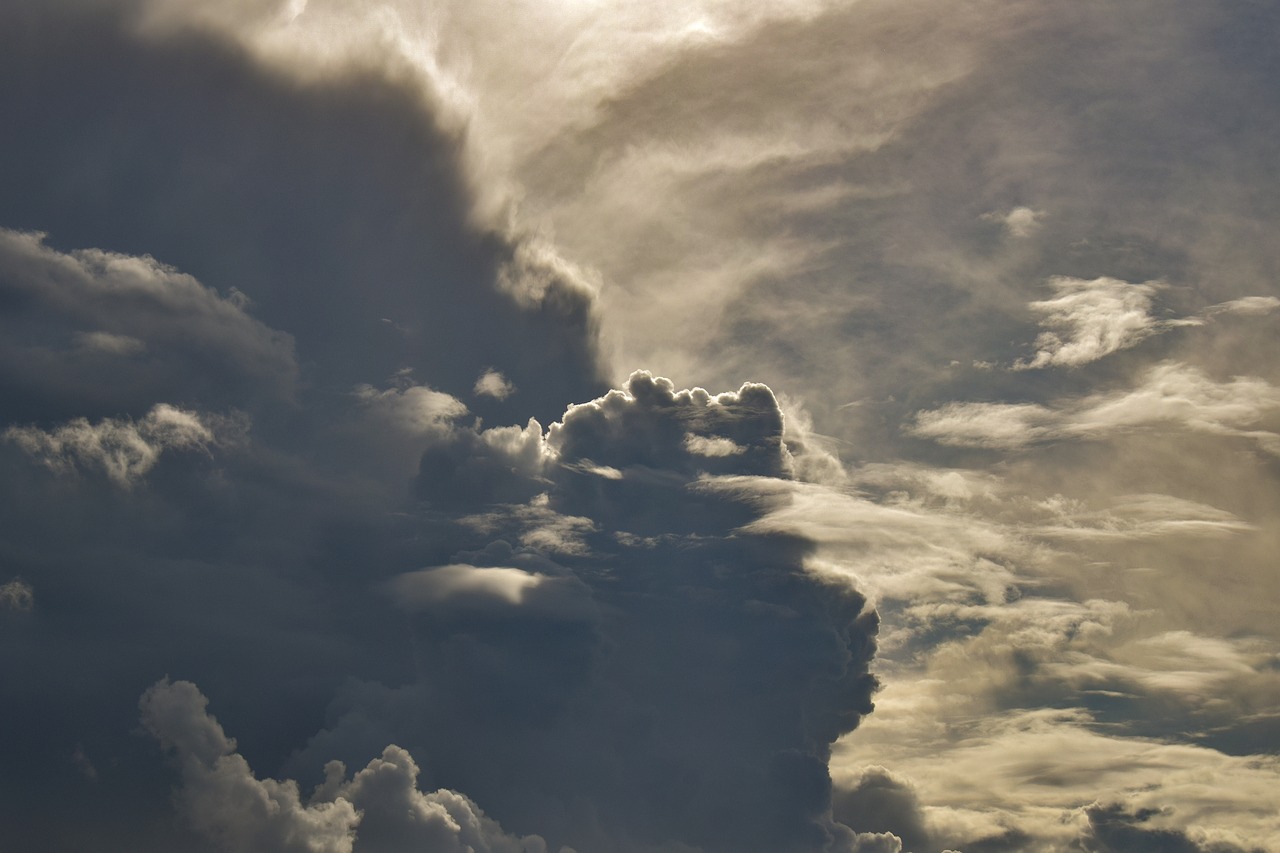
1248, 305
712, 445
443, 584
493, 384
416, 409
1140, 517
1035, 769
123, 449
1091, 319
1170, 395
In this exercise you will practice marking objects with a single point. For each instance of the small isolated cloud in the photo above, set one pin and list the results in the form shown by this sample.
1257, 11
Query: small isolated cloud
1091, 319
17, 594
1171, 394
1019, 222
123, 449
493, 384
443, 584
416, 409
379, 810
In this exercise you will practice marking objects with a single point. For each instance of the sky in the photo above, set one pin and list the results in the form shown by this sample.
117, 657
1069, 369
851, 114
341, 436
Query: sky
604, 426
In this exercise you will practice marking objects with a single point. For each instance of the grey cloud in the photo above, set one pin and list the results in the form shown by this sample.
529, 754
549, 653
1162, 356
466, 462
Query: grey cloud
1115, 829
601, 654
877, 801
1019, 222
92, 329
649, 424
331, 200
379, 810
123, 450
17, 594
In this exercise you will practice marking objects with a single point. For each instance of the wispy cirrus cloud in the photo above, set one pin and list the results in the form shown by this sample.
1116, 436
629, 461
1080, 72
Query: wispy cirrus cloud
1170, 395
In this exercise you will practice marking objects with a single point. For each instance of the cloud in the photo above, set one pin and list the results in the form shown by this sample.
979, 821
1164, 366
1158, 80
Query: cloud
414, 409
1088, 320
92, 328
493, 384
379, 810
220, 795
353, 204
17, 594
793, 195
1246, 305
540, 526
441, 584
1019, 222
1143, 516
122, 449
1171, 395
647, 423
637, 597
1112, 828
1029, 770
701, 445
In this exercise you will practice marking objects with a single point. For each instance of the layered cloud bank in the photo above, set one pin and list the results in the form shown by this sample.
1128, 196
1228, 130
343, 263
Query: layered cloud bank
319, 332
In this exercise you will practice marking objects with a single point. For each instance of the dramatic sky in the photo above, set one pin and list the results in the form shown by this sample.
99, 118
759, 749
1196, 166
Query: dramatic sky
639, 426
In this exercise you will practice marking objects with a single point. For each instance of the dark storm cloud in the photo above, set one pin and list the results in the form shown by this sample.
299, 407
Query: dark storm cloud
260, 297
569, 628
92, 333
339, 206
663, 682
379, 810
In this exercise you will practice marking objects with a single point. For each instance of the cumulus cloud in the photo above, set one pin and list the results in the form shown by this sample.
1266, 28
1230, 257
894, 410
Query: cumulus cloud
636, 595
379, 810
493, 384
122, 449
1171, 395
648, 423
342, 183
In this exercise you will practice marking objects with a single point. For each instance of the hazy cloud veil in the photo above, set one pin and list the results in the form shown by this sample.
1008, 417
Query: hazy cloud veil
361, 490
